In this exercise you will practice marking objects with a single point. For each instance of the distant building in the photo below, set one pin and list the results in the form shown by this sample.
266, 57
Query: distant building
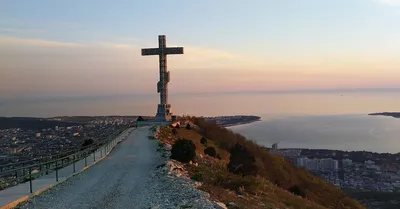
318, 164
347, 162
38, 134
275, 146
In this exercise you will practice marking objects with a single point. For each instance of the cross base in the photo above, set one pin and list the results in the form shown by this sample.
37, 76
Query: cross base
164, 112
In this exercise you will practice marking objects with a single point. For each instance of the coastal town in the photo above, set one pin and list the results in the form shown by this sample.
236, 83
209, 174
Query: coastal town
30, 139
21, 144
361, 170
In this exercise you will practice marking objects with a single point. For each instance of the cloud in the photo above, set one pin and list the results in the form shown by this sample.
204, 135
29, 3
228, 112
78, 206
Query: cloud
36, 66
33, 66
390, 2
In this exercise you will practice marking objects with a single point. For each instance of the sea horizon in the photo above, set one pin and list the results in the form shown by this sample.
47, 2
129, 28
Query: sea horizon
334, 120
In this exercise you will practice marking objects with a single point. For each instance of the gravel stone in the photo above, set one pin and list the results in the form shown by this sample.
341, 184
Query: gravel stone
132, 176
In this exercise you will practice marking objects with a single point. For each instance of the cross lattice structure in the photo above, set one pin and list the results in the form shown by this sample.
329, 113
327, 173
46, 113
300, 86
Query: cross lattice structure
164, 111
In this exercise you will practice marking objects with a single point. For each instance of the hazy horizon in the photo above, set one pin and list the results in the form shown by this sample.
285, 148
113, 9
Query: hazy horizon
211, 104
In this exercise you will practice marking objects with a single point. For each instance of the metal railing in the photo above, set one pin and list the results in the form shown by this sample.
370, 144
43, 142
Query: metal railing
21, 172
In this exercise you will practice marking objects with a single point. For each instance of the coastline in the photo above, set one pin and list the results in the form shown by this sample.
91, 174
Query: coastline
229, 121
240, 123
390, 114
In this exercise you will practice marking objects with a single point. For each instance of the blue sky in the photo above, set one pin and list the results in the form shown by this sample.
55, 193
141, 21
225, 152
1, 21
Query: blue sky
309, 40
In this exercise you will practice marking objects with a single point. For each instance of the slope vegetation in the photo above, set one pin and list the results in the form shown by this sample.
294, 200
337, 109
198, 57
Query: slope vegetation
275, 183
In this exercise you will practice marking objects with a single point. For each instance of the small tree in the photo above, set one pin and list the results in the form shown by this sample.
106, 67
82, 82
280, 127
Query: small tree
188, 127
241, 161
203, 140
210, 151
86, 143
183, 150
174, 131
296, 190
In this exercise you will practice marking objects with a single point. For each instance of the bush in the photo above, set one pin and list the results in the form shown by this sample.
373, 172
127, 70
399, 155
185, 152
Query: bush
297, 191
174, 131
188, 127
86, 143
219, 157
203, 140
273, 167
183, 150
241, 161
210, 151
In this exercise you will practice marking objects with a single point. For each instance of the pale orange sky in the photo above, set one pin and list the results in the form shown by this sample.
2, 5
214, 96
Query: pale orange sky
34, 66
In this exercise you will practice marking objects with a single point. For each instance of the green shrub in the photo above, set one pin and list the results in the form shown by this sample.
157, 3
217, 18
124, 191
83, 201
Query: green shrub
86, 143
188, 127
174, 131
203, 140
241, 161
297, 191
183, 150
210, 151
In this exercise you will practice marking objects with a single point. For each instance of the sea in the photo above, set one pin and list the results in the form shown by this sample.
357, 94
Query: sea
336, 120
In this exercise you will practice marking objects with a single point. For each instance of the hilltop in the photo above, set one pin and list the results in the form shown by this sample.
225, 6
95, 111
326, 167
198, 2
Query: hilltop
275, 183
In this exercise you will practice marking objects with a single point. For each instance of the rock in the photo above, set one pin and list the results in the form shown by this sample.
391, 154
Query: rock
197, 184
167, 147
231, 204
220, 205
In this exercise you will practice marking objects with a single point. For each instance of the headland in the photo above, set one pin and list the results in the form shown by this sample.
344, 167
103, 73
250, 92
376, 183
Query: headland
228, 121
391, 114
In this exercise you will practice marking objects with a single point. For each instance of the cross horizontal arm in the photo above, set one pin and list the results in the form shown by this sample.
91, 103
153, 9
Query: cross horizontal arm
173, 50
151, 51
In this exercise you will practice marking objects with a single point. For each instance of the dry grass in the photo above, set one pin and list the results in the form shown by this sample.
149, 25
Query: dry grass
245, 192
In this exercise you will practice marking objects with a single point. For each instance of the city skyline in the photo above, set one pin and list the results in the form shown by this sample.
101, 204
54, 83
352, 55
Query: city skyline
93, 48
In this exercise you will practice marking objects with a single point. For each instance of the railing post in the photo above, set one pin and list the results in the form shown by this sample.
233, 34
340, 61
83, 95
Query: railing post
94, 156
74, 163
56, 170
47, 168
101, 152
23, 170
85, 159
40, 166
30, 179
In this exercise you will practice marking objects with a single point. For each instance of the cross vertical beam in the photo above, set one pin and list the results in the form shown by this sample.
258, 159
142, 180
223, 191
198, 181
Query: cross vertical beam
164, 112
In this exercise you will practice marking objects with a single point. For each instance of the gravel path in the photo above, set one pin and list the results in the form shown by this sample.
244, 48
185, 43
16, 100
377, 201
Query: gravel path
127, 178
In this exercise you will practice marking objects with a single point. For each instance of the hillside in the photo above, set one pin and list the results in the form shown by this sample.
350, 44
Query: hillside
267, 188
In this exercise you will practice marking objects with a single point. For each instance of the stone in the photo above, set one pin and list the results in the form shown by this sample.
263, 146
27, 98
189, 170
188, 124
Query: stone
231, 204
167, 147
220, 205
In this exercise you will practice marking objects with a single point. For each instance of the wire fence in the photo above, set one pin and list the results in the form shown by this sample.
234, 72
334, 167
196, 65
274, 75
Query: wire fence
16, 173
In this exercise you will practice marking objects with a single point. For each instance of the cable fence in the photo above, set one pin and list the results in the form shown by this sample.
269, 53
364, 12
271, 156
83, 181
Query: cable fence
26, 171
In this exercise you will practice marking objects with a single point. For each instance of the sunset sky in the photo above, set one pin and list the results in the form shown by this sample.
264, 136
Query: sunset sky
93, 47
